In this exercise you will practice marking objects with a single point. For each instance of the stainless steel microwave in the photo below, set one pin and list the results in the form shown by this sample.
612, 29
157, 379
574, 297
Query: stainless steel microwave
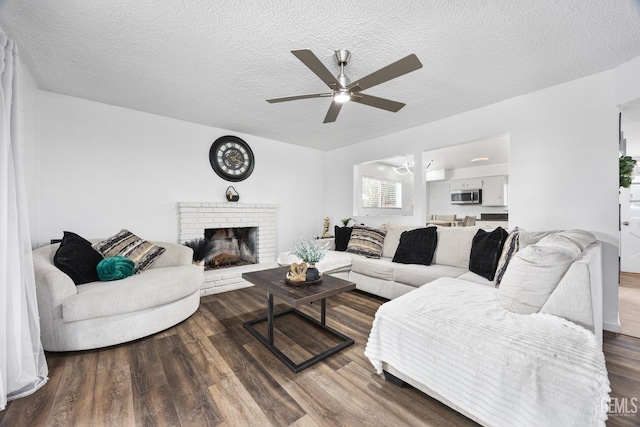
466, 197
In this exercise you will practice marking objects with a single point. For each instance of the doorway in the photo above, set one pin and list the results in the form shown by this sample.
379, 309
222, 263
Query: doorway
629, 291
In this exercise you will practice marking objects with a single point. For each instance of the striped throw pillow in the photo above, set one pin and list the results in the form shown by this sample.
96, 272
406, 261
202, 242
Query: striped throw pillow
366, 241
127, 244
511, 246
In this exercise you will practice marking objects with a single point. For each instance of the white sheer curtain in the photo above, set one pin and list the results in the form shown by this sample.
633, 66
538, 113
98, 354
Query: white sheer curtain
23, 368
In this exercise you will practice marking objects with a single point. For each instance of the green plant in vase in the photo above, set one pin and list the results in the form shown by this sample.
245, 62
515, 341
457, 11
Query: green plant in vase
311, 252
627, 165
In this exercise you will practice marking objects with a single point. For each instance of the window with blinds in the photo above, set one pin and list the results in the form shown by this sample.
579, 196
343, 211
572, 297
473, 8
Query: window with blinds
380, 193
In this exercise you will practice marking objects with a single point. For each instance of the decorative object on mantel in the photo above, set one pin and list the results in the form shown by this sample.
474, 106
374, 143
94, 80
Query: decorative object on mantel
311, 252
345, 221
627, 166
325, 230
232, 194
202, 250
231, 158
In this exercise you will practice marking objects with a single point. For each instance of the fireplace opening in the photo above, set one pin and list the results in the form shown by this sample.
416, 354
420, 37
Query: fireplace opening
232, 247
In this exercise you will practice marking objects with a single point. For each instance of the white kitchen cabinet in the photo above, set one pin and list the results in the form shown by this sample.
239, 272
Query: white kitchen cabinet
465, 184
494, 191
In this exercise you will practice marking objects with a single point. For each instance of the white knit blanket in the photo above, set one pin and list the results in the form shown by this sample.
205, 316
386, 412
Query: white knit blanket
505, 369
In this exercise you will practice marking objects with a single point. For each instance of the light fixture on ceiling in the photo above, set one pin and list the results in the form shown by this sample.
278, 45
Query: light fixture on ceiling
342, 96
404, 168
408, 168
479, 159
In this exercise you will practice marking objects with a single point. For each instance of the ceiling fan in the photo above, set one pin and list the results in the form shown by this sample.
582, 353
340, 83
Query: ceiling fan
343, 90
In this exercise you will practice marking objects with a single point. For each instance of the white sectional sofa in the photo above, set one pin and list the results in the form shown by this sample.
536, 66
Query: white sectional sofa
390, 280
446, 330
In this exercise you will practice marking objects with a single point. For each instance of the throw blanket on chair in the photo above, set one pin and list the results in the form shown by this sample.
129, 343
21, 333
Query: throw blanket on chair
503, 368
115, 268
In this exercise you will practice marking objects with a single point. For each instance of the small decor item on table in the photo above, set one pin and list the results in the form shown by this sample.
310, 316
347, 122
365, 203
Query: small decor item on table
345, 221
297, 272
232, 194
311, 252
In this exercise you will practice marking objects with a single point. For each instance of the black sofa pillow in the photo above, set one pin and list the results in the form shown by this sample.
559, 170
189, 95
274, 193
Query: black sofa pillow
343, 234
485, 252
417, 246
77, 259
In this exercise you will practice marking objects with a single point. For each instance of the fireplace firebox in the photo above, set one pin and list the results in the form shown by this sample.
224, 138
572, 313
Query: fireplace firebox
232, 246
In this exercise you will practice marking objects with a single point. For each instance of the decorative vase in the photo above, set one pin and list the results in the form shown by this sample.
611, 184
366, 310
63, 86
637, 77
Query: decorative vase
312, 273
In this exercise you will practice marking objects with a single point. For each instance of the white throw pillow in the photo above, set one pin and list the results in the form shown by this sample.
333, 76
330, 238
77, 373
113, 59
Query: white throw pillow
534, 273
532, 237
454, 246
579, 237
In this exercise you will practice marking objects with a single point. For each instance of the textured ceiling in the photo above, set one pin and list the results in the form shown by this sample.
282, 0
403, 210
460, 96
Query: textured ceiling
216, 63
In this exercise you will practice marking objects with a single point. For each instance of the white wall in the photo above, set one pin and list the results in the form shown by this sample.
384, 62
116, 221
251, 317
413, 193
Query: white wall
31, 150
563, 162
105, 168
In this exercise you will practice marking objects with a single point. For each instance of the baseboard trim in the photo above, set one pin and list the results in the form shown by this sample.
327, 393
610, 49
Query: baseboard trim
612, 327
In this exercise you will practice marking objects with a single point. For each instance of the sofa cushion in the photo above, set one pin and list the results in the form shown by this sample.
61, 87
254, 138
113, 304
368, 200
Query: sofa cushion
366, 241
416, 246
509, 249
486, 249
129, 245
392, 238
153, 288
380, 268
454, 246
470, 276
534, 272
77, 258
418, 275
343, 234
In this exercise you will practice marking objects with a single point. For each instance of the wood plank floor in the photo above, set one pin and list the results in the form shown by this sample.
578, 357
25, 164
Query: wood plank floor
209, 371
629, 295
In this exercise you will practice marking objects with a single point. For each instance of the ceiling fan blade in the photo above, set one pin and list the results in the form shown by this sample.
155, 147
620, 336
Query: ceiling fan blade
313, 63
332, 114
374, 101
294, 98
403, 66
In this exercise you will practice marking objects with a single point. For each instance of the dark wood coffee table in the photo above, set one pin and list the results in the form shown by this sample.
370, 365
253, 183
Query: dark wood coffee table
272, 280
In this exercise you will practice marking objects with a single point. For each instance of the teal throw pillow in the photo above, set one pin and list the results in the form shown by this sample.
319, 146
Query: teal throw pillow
115, 268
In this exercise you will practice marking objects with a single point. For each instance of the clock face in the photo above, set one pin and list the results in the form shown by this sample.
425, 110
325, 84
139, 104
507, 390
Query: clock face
231, 158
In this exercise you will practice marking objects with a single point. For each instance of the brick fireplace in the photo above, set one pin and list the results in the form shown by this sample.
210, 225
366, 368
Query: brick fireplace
196, 217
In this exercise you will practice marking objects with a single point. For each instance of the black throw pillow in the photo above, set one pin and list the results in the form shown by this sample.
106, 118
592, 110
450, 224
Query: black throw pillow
343, 234
485, 252
417, 246
77, 259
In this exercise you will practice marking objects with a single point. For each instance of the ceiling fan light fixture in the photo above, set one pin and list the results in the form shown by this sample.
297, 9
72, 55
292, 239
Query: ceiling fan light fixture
342, 96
